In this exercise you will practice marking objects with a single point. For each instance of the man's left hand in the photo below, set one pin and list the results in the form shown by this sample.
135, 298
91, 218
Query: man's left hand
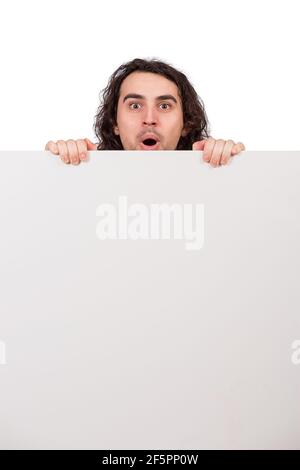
218, 152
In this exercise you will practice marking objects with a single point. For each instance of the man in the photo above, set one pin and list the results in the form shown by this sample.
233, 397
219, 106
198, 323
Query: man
149, 105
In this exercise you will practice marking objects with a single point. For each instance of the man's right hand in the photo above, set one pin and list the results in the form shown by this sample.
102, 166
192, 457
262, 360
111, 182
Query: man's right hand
71, 151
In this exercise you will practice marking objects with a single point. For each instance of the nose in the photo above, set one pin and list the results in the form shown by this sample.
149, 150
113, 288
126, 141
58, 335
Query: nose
150, 118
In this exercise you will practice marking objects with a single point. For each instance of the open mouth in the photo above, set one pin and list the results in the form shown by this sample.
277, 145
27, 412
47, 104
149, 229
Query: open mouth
149, 144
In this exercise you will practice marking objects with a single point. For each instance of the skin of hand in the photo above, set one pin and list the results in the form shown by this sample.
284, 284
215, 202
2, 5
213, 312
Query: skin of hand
71, 151
218, 152
215, 152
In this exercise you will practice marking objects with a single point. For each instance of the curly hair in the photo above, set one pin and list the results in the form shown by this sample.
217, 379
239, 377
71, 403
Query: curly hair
194, 115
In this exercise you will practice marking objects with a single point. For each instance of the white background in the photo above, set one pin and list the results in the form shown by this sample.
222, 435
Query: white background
241, 57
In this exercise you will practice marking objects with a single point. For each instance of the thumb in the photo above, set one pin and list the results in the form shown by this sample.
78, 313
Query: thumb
199, 145
90, 145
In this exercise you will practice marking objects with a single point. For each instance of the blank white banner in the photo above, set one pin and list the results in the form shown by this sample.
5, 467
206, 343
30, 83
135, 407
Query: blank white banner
123, 330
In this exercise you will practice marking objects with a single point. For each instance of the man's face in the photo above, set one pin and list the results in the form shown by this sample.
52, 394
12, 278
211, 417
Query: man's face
155, 114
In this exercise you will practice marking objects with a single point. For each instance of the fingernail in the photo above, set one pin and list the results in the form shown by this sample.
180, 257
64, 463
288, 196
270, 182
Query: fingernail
83, 156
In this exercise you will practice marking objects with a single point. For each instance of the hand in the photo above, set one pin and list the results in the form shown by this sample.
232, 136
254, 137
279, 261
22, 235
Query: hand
218, 152
71, 151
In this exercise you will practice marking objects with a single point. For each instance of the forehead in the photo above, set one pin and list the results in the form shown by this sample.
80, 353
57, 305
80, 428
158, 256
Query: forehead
148, 84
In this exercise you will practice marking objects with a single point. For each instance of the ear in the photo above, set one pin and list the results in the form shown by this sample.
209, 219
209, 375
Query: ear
116, 130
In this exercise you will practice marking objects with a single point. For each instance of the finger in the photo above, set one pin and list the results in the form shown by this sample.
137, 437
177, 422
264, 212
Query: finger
63, 151
217, 152
208, 149
73, 152
237, 148
82, 149
90, 145
226, 152
199, 145
52, 147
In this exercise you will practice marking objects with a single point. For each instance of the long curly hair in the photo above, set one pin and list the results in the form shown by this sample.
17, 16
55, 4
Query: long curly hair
194, 115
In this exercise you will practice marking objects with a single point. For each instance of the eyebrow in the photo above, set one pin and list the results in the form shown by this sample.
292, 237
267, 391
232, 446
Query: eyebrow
158, 98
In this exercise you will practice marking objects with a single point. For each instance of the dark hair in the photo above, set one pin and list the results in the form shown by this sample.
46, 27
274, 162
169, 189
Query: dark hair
194, 115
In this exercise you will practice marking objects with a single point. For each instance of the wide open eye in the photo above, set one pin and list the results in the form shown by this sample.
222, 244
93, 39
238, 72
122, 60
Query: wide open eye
149, 142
